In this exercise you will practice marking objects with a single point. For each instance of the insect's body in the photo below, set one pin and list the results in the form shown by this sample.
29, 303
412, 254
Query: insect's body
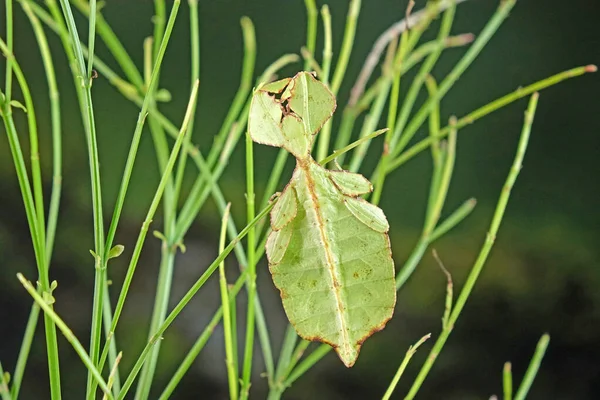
335, 276
329, 252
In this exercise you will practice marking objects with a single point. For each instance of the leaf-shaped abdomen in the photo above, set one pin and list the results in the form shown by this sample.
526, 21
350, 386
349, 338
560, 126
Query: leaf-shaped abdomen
337, 275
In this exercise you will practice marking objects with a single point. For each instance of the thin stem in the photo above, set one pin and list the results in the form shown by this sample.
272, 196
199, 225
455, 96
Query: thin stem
4, 391
139, 128
251, 267
243, 90
186, 299
352, 145
532, 369
489, 108
28, 336
507, 385
191, 355
34, 207
341, 65
195, 76
485, 250
67, 333
484, 37
311, 29
9, 45
228, 334
411, 351
151, 211
411, 98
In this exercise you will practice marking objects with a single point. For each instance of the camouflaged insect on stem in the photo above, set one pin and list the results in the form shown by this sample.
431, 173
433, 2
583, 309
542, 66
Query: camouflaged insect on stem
329, 252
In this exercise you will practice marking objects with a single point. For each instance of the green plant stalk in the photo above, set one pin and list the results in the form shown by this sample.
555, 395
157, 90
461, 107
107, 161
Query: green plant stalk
341, 65
191, 355
419, 80
87, 110
507, 385
485, 250
91, 36
9, 44
55, 196
285, 354
158, 20
306, 364
185, 300
351, 113
193, 203
56, 131
391, 120
298, 352
114, 45
480, 42
411, 351
101, 271
4, 390
112, 348
411, 98
195, 76
243, 90
36, 224
374, 115
139, 128
327, 46
113, 372
168, 252
441, 190
228, 333
311, 29
28, 336
66, 332
533, 368
251, 266
489, 108
437, 153
340, 152
151, 211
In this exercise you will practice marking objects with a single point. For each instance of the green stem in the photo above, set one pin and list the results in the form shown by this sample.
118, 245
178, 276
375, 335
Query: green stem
507, 385
533, 368
311, 29
67, 333
191, 355
489, 108
228, 334
411, 352
185, 300
151, 211
251, 266
485, 250
341, 65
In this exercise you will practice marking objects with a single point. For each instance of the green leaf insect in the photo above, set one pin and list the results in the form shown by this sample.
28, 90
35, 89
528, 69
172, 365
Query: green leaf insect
329, 252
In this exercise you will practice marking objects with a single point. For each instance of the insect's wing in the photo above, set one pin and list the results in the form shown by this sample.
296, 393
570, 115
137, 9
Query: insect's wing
264, 120
285, 209
350, 184
312, 101
277, 244
276, 87
369, 214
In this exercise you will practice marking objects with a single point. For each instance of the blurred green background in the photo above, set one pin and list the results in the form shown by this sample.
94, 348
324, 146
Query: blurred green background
543, 274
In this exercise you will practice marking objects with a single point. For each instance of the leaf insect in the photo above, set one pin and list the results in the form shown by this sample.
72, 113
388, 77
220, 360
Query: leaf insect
329, 252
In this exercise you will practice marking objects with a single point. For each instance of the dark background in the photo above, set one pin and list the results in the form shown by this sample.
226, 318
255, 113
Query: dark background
543, 274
